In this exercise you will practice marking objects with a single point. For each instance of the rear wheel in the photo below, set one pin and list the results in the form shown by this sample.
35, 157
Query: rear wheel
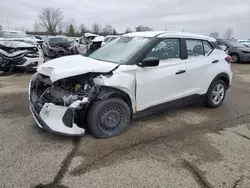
216, 94
108, 118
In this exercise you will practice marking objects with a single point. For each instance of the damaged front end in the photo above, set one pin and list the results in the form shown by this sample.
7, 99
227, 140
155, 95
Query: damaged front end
19, 54
61, 106
59, 50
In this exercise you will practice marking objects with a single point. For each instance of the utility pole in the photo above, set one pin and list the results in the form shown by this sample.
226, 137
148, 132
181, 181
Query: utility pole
8, 23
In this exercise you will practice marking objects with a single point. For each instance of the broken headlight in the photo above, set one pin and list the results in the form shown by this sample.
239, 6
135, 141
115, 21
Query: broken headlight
32, 55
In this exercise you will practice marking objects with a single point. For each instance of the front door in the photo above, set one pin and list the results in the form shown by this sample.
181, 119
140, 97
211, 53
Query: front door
164, 83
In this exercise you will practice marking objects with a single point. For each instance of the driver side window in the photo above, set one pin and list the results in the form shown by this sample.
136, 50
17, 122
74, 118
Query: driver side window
166, 49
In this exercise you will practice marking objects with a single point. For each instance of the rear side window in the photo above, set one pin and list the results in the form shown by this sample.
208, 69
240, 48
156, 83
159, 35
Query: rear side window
106, 39
112, 38
166, 49
194, 48
207, 48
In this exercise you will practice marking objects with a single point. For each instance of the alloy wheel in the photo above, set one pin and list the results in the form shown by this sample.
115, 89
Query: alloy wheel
218, 94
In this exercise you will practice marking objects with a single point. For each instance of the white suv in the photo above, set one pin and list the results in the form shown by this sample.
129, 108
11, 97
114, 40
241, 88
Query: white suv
132, 76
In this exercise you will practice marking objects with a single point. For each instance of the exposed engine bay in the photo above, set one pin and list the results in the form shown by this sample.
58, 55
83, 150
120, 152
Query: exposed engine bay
67, 98
63, 92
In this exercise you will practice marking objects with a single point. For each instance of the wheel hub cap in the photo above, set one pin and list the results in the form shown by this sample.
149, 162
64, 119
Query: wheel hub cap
111, 119
218, 93
234, 58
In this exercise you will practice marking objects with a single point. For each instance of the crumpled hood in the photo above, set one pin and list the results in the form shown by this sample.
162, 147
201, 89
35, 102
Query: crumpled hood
15, 44
72, 66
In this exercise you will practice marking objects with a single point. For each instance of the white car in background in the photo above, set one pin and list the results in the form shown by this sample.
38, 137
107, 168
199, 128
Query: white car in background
20, 54
109, 38
13, 43
136, 75
84, 43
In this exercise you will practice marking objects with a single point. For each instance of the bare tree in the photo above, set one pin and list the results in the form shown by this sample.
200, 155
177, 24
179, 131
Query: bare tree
128, 30
83, 29
108, 29
228, 33
49, 20
1, 27
215, 35
61, 27
142, 28
96, 28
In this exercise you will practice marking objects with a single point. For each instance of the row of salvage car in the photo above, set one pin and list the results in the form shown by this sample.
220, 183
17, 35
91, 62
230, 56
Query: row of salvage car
23, 52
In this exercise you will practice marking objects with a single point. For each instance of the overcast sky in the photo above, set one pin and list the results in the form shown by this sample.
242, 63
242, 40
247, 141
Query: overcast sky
199, 16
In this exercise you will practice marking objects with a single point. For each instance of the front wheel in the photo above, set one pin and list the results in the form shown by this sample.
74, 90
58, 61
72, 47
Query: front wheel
216, 94
108, 118
235, 58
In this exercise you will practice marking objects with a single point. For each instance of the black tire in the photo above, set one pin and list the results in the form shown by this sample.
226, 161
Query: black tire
209, 102
108, 118
235, 58
76, 51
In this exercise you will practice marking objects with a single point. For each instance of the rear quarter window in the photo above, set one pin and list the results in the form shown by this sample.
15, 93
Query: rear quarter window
194, 47
106, 39
207, 48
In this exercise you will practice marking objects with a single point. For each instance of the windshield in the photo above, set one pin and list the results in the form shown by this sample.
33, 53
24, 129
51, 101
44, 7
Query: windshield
12, 34
58, 40
235, 44
119, 50
244, 41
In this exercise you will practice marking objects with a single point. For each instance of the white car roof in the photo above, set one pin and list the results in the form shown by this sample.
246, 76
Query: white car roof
112, 36
167, 34
13, 31
90, 35
98, 39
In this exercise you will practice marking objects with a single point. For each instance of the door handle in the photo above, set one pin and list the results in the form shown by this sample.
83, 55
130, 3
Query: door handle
180, 72
215, 61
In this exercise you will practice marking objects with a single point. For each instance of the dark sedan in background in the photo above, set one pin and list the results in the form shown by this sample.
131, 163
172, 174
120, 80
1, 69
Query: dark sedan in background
57, 46
238, 51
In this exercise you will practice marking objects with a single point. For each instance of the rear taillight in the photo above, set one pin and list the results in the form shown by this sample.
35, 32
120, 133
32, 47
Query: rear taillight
229, 59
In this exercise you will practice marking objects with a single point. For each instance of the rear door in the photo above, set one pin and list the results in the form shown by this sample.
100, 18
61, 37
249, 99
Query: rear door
163, 83
82, 47
202, 63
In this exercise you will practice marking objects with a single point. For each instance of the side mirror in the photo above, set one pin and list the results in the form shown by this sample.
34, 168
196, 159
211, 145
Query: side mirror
224, 48
149, 62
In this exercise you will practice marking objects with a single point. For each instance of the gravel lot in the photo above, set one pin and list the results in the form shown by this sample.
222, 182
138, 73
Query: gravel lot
188, 147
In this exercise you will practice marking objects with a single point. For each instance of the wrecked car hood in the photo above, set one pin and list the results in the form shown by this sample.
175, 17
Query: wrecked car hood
15, 44
72, 66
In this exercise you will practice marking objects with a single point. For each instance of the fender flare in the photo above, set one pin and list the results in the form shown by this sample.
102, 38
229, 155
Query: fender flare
224, 76
108, 92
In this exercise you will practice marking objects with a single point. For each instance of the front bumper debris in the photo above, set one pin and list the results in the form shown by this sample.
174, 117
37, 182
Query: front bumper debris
54, 118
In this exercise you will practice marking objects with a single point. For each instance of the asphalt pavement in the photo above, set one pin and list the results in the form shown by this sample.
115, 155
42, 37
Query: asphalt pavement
188, 147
